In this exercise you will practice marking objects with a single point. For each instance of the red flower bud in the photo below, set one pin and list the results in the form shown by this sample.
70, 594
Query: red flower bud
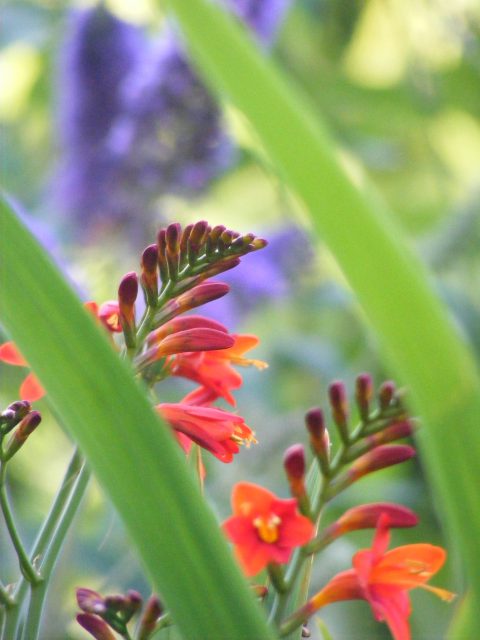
26, 427
199, 295
90, 601
339, 405
364, 394
149, 276
127, 294
386, 394
95, 626
319, 438
182, 324
153, 611
294, 465
380, 458
395, 431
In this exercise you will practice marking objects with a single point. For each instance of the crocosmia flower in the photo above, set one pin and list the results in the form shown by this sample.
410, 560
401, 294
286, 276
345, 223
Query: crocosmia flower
264, 529
384, 578
213, 370
30, 389
218, 431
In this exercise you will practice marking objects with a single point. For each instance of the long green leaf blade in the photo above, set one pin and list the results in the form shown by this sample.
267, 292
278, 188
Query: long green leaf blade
391, 283
131, 452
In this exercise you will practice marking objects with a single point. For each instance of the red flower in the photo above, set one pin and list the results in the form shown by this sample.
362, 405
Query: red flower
31, 389
383, 578
264, 528
213, 370
220, 432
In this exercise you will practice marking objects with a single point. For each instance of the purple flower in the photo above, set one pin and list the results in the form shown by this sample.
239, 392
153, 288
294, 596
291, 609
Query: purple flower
267, 275
137, 121
264, 17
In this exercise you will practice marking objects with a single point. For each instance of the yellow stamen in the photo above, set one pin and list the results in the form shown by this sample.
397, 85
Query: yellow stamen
268, 528
247, 362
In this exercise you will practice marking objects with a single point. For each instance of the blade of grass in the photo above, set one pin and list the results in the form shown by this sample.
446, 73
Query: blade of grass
129, 449
419, 340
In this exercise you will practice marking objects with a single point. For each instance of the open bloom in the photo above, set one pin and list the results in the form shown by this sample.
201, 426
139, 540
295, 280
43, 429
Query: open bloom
383, 578
218, 431
264, 528
213, 369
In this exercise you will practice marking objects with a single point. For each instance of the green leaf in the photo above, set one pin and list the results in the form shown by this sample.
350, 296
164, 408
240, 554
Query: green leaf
131, 452
419, 339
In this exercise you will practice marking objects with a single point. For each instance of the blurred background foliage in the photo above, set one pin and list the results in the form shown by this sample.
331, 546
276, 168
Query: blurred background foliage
399, 84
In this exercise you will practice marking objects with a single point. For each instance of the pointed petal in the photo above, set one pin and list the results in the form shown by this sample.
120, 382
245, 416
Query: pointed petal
239, 529
409, 566
31, 389
11, 355
253, 558
249, 499
393, 606
343, 586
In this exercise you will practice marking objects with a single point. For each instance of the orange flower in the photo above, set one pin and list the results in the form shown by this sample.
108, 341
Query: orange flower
31, 389
213, 370
383, 578
220, 432
264, 528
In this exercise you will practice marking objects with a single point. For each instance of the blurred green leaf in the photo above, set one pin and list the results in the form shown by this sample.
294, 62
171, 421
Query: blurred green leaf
392, 285
130, 451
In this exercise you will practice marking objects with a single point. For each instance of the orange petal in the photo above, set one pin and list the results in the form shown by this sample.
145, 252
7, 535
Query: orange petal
11, 355
31, 389
249, 499
243, 343
408, 566
343, 586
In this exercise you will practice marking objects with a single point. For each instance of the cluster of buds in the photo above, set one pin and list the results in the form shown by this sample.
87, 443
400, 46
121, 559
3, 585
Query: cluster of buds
102, 615
266, 529
173, 271
19, 418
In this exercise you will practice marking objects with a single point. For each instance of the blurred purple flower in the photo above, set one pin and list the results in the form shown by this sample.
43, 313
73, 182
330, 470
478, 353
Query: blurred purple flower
99, 52
137, 122
267, 275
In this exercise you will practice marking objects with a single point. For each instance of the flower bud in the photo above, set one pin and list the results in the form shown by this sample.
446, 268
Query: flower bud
385, 455
197, 240
95, 626
199, 295
172, 237
386, 394
395, 431
184, 244
319, 438
127, 294
26, 427
364, 394
182, 324
90, 601
197, 339
149, 278
153, 611
162, 258
294, 465
213, 238
339, 406
13, 414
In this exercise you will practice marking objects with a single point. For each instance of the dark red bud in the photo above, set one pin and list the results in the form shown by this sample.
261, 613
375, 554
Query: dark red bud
364, 393
150, 258
95, 626
386, 394
128, 289
338, 402
315, 422
153, 611
294, 461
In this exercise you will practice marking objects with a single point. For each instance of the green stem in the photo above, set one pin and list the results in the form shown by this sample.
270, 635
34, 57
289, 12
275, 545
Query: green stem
27, 568
65, 518
6, 599
43, 539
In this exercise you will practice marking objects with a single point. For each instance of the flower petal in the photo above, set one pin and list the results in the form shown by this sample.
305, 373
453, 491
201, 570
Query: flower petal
31, 389
393, 606
249, 499
409, 566
296, 531
11, 355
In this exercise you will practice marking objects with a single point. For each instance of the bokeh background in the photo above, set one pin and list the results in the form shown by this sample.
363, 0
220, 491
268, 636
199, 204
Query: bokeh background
109, 133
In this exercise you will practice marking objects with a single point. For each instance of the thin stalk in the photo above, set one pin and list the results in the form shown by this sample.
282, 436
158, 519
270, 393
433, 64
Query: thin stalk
39, 591
43, 538
27, 568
